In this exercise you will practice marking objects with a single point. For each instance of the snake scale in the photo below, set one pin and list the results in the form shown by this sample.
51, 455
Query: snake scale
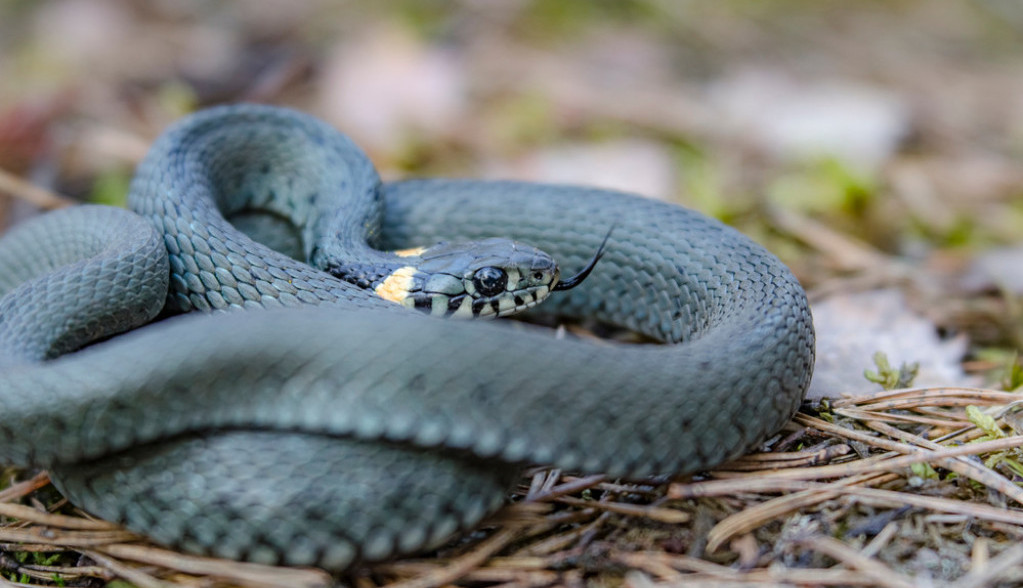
336, 426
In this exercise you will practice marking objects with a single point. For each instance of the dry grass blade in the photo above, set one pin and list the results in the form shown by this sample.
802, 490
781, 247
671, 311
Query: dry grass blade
944, 421
772, 461
25, 487
892, 498
60, 538
19, 188
461, 565
912, 443
703, 573
132, 574
755, 516
881, 574
994, 570
512, 574
869, 471
569, 487
905, 398
240, 573
883, 463
664, 515
960, 465
26, 513
559, 542
845, 251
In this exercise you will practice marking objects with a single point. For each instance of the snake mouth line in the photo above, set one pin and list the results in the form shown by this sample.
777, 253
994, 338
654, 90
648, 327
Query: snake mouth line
505, 306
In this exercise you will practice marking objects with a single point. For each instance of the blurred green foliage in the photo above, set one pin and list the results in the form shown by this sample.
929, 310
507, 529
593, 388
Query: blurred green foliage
111, 187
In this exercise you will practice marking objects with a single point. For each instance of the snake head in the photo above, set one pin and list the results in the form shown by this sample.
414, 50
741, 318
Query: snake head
488, 278
484, 279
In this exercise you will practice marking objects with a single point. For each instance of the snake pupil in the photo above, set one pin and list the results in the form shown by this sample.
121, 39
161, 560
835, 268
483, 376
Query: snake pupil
490, 281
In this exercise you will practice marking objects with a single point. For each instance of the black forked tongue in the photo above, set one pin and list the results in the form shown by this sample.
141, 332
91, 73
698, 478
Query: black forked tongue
577, 279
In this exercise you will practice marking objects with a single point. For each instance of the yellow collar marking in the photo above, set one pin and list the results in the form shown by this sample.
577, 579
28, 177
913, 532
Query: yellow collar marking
396, 286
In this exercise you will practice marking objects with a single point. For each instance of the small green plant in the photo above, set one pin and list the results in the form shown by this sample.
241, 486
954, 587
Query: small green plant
111, 187
984, 422
992, 430
891, 378
1012, 380
177, 97
924, 470
1007, 370
827, 187
35, 558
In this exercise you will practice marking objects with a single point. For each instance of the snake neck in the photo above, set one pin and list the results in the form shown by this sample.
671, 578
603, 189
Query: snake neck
393, 276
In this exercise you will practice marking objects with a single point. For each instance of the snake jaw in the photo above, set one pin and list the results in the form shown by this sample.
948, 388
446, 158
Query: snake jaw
505, 305
465, 306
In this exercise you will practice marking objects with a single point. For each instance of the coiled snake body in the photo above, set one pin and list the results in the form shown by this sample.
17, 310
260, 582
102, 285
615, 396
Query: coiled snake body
343, 427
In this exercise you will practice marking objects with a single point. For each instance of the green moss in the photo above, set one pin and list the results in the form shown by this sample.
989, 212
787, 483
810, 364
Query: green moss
177, 98
563, 18
962, 232
524, 119
702, 184
111, 187
426, 17
1010, 375
824, 186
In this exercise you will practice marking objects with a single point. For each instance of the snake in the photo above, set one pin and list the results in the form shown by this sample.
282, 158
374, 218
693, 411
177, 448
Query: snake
249, 364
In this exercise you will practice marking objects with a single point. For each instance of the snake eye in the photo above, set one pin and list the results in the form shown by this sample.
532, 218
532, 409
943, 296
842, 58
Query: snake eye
490, 281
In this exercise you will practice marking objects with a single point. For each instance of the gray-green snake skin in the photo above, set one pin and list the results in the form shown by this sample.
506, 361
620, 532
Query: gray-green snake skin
342, 427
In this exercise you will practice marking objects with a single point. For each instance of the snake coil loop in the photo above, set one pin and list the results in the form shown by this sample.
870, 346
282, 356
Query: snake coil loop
325, 425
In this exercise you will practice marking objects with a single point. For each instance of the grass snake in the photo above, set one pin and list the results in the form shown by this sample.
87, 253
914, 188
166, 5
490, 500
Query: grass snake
337, 426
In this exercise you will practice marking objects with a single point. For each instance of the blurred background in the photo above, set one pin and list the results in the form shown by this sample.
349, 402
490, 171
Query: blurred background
870, 144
